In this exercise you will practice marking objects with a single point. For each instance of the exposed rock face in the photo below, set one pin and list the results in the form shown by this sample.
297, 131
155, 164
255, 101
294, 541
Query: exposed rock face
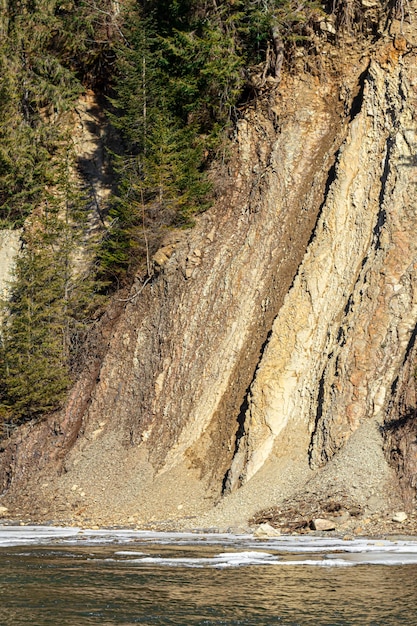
400, 428
276, 328
185, 350
9, 247
341, 336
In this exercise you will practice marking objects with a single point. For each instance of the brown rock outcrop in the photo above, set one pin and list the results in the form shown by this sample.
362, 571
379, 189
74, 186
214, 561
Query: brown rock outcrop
340, 338
275, 329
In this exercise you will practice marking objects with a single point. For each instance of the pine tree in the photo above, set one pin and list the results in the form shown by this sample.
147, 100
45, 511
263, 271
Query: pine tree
34, 346
50, 306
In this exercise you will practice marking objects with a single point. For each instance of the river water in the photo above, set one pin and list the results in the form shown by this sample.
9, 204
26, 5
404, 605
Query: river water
60, 577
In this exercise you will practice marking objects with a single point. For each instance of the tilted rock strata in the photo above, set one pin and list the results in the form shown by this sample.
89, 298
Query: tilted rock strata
161, 419
342, 334
183, 346
180, 358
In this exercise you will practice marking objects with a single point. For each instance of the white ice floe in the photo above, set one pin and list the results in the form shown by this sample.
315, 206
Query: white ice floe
232, 559
222, 560
243, 550
33, 535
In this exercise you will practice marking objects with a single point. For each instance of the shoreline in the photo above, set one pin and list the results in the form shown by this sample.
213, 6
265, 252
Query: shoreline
164, 527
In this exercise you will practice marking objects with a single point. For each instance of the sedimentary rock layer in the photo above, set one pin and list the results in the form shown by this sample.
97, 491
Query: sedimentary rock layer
185, 350
276, 327
342, 335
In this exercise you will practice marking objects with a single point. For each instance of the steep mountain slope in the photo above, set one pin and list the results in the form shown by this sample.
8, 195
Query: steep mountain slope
265, 358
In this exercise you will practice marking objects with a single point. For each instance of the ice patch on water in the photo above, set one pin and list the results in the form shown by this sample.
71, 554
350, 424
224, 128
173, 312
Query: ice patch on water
222, 560
28, 535
129, 553
232, 559
283, 550
319, 562
34, 535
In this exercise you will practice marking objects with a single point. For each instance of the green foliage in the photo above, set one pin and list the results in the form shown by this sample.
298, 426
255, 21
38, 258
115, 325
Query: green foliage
34, 349
87, 37
50, 305
24, 147
180, 71
47, 47
175, 92
158, 189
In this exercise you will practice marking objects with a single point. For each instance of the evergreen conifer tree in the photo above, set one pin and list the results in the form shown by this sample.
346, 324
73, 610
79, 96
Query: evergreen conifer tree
49, 307
34, 346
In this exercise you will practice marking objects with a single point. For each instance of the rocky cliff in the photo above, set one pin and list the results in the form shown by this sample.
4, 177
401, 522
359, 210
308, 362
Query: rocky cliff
271, 355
